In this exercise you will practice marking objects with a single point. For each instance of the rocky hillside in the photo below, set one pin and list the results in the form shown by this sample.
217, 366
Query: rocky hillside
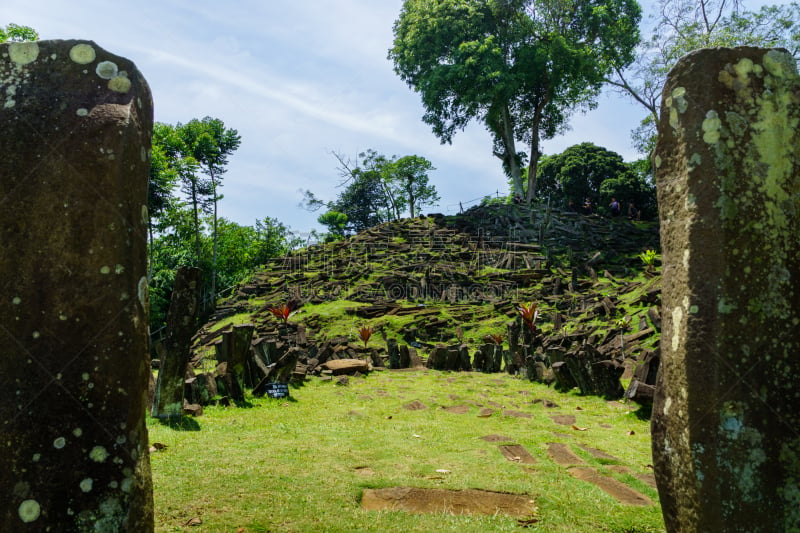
458, 281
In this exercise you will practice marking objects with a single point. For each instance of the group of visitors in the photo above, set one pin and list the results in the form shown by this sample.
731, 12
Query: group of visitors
615, 207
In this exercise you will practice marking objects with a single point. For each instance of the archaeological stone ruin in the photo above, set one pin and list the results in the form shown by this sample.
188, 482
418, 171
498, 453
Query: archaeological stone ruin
726, 417
75, 129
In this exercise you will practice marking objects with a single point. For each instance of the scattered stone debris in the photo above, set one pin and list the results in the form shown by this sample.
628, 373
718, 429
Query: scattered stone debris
548, 256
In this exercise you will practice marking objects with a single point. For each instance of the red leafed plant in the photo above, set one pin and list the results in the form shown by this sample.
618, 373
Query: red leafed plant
529, 313
282, 312
496, 338
365, 332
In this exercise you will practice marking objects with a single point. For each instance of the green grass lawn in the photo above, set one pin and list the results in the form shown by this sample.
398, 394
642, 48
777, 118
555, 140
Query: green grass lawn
302, 464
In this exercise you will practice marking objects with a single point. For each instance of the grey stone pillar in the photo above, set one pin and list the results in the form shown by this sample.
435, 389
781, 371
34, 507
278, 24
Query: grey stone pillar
75, 129
726, 417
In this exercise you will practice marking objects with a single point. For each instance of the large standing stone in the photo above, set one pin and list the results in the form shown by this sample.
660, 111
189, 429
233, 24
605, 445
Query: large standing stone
726, 417
181, 325
75, 129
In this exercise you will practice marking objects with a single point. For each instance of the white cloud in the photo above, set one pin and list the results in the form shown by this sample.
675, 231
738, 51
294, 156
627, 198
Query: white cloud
297, 80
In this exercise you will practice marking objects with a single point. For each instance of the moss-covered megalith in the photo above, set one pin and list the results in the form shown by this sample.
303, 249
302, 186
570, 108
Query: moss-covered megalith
726, 418
75, 132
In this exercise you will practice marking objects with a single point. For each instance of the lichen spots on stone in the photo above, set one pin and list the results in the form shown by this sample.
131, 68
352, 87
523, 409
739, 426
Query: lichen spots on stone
98, 454
711, 127
142, 291
86, 484
780, 64
677, 317
82, 112
120, 84
82, 54
107, 70
23, 53
29, 511
673, 118
679, 99
16, 300
105, 270
59, 443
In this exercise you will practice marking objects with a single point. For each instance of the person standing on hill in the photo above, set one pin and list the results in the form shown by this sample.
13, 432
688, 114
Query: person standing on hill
615, 209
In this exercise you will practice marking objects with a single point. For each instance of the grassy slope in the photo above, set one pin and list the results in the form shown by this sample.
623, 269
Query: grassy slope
301, 465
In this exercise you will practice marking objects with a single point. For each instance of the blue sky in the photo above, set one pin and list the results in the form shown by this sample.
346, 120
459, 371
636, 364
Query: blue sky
297, 79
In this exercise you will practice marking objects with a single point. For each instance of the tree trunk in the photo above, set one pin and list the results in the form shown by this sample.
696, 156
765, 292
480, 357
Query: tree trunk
196, 222
534, 161
411, 199
511, 152
214, 256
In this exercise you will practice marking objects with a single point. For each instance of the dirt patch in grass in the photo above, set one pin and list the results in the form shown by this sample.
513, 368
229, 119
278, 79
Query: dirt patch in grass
517, 454
471, 501
486, 412
564, 420
562, 454
517, 414
496, 438
648, 478
458, 409
620, 491
599, 454
416, 405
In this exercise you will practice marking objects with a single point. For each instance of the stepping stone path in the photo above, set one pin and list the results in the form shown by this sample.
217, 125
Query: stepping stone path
620, 491
563, 455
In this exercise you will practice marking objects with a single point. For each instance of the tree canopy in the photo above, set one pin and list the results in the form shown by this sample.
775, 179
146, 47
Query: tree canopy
518, 66
187, 163
589, 172
376, 189
685, 25
16, 33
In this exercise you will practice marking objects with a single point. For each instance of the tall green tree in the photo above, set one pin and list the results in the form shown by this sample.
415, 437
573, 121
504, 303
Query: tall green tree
175, 161
209, 143
518, 66
375, 189
16, 33
685, 25
409, 177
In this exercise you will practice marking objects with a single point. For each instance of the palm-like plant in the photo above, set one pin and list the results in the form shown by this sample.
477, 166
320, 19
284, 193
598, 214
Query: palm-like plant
282, 312
496, 338
529, 313
365, 332
648, 257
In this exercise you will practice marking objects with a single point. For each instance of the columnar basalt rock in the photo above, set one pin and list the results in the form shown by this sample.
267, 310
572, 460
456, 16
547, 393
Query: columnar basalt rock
181, 325
726, 443
75, 133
